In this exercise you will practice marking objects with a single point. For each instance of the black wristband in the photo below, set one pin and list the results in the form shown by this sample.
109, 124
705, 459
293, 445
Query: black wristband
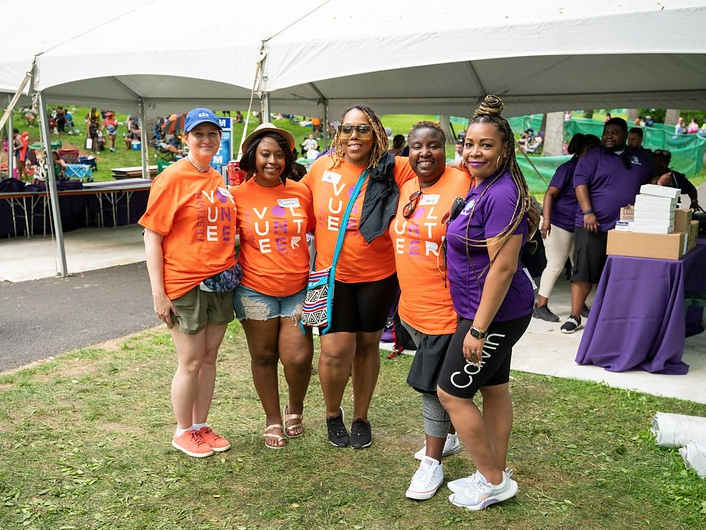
588, 212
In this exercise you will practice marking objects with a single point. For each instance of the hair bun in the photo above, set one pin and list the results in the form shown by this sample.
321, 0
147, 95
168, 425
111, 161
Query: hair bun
491, 106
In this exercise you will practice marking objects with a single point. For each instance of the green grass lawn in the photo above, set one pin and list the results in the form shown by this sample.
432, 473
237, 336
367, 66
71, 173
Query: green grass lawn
86, 444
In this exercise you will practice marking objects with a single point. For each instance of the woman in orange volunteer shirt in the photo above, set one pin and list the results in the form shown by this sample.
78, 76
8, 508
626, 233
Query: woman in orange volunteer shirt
365, 280
274, 215
190, 248
425, 307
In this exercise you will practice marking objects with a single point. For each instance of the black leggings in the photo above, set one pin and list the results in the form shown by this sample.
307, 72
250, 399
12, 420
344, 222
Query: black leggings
462, 379
362, 306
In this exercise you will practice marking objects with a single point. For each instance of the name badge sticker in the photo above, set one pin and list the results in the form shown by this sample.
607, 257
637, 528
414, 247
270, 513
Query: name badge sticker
288, 203
427, 200
331, 177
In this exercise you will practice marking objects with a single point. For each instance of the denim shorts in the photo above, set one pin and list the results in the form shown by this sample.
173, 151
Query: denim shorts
253, 305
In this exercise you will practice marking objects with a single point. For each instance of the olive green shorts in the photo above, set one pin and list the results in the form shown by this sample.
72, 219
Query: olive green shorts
198, 307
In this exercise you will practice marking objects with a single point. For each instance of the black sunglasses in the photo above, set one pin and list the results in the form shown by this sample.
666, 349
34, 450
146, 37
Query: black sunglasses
363, 131
409, 208
662, 152
454, 211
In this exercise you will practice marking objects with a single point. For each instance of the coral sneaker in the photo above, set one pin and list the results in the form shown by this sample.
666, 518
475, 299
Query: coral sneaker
192, 444
215, 441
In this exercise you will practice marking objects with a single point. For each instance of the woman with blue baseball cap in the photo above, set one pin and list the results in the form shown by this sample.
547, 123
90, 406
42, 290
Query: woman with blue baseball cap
190, 247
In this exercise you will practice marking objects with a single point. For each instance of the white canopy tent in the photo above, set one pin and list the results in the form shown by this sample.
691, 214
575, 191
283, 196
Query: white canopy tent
443, 57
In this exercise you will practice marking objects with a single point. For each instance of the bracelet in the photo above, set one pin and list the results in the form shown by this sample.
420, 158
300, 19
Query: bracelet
588, 212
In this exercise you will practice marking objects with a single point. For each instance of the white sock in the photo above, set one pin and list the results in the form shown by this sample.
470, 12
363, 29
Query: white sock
179, 431
197, 426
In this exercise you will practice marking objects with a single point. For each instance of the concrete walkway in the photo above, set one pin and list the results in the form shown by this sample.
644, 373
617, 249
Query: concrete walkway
542, 350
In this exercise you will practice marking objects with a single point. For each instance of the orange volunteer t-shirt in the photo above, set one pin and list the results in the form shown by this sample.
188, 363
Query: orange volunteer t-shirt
425, 302
196, 215
273, 223
331, 189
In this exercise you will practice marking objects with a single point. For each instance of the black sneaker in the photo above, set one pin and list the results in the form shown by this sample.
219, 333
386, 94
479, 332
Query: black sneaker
337, 433
572, 324
585, 311
361, 436
542, 312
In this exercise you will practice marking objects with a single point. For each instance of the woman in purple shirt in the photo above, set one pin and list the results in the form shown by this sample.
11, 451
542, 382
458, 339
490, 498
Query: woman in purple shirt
558, 213
493, 297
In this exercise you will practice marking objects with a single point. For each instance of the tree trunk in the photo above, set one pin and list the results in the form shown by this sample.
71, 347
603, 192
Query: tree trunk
445, 125
632, 116
671, 117
554, 134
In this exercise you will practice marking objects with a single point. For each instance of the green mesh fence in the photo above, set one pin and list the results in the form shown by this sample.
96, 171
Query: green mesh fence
687, 149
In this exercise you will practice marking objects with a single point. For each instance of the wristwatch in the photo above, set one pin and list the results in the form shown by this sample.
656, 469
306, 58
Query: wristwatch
478, 334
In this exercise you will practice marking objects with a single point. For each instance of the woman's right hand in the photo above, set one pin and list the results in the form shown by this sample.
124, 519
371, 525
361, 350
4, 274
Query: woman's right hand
164, 308
545, 229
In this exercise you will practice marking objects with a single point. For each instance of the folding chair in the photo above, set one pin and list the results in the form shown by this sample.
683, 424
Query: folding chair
79, 171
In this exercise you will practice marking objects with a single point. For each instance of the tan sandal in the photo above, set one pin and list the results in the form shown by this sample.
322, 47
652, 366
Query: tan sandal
278, 438
289, 428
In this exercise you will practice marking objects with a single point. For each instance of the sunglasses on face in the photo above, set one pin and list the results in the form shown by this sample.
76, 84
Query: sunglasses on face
662, 152
456, 208
409, 208
364, 132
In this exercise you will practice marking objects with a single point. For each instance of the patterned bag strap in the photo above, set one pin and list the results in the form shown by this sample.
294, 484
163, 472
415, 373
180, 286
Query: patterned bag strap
339, 243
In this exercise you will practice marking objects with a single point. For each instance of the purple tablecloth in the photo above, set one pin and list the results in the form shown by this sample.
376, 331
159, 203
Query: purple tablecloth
638, 319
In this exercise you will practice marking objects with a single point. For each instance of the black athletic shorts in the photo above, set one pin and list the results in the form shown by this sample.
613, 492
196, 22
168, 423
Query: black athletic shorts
363, 306
589, 255
462, 379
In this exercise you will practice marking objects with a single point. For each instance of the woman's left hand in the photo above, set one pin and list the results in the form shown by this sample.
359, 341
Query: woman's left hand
473, 349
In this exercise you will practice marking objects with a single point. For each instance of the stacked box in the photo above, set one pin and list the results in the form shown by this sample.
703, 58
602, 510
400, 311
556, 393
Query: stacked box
654, 209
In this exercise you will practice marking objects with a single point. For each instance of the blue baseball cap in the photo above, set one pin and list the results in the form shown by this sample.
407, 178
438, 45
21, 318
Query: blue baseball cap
198, 116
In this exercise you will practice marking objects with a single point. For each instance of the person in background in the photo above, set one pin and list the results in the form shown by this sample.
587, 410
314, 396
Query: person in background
274, 216
557, 229
59, 166
398, 144
60, 120
693, 126
310, 144
316, 127
425, 306
298, 170
649, 122
111, 128
94, 124
365, 279
493, 298
22, 158
666, 176
635, 138
458, 154
605, 179
607, 118
238, 117
190, 229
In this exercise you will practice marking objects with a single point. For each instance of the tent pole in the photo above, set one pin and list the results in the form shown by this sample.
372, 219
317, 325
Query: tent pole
10, 146
51, 186
143, 139
264, 107
325, 126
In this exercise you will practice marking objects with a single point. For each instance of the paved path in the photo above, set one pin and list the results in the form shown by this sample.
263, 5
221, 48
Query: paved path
47, 317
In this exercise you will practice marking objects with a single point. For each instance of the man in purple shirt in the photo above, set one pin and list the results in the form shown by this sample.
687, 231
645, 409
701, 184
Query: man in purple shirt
606, 179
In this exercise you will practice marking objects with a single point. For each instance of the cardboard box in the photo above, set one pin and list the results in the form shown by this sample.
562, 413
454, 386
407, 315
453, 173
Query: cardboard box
627, 213
660, 191
635, 244
682, 220
693, 236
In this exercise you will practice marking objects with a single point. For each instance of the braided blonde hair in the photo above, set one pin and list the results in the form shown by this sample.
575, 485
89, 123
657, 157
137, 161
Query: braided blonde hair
489, 111
380, 143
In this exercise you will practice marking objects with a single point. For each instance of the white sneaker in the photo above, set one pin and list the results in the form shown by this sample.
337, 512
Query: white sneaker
481, 493
465, 482
428, 478
451, 447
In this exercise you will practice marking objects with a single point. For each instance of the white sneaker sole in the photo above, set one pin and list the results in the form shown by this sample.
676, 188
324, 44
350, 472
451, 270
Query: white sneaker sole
195, 455
423, 495
495, 499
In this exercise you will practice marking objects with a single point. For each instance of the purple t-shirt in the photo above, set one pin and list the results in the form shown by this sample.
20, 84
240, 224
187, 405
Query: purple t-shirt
494, 211
610, 185
565, 204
